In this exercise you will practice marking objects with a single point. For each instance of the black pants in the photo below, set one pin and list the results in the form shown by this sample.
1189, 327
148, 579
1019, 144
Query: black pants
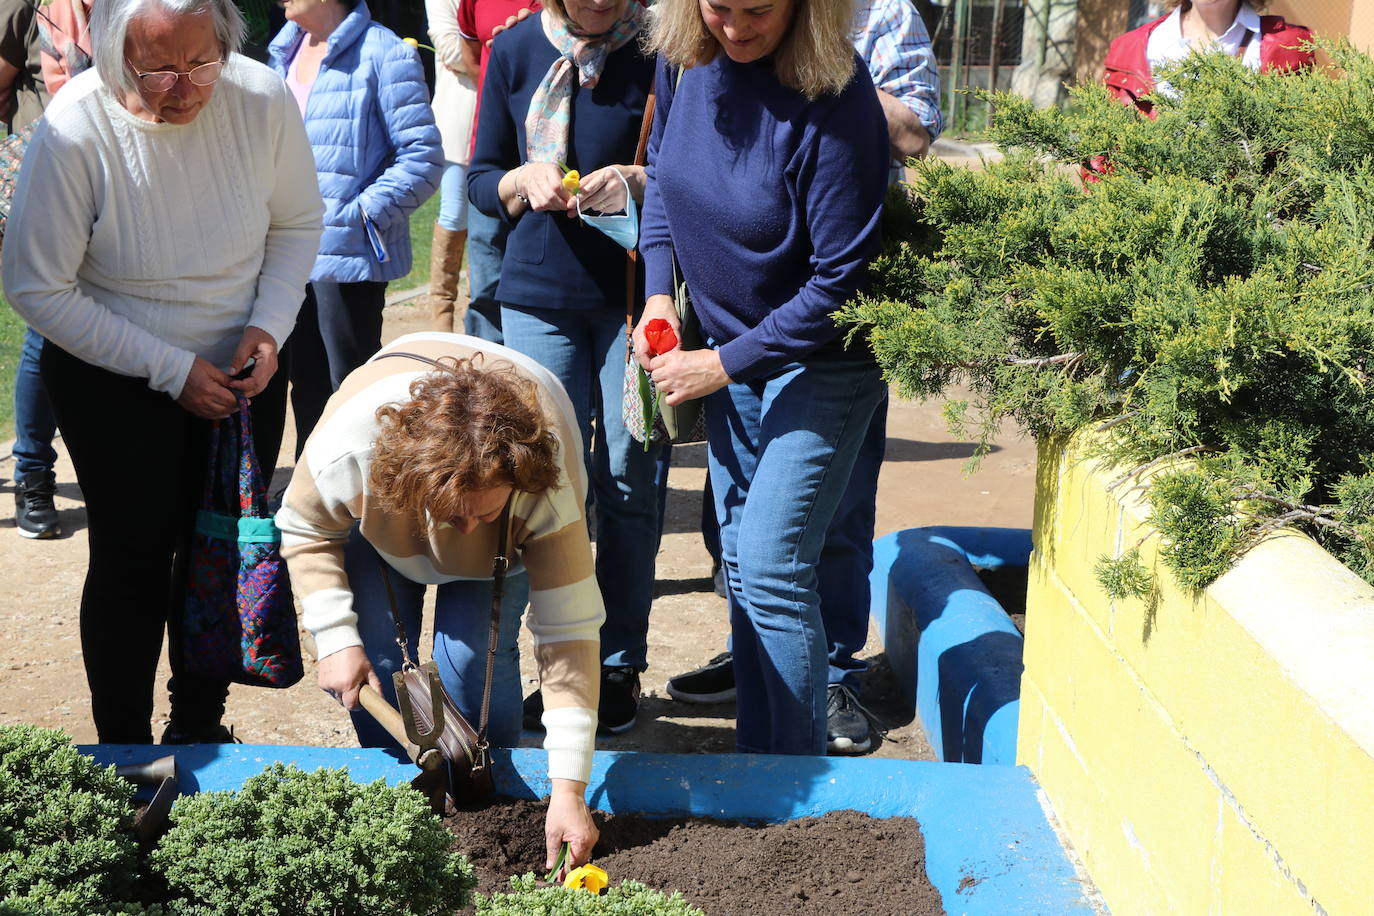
140, 461
338, 329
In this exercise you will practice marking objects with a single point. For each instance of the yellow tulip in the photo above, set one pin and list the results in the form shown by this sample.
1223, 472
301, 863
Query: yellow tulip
572, 181
588, 878
413, 42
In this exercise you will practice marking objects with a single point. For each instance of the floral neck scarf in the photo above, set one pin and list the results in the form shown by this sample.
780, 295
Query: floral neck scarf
546, 125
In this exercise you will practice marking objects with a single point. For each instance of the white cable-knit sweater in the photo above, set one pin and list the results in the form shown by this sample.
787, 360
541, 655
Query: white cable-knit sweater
137, 246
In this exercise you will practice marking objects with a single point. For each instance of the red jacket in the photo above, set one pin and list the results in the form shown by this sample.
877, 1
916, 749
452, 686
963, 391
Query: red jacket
1128, 68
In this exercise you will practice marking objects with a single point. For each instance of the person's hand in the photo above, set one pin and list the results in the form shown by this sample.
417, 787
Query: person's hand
520, 16
568, 820
206, 392
342, 675
255, 344
681, 375
659, 306
541, 183
604, 192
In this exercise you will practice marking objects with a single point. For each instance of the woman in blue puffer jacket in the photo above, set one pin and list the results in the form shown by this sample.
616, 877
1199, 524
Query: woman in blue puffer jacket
378, 156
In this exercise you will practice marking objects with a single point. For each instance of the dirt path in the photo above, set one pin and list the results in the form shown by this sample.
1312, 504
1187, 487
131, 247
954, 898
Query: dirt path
922, 483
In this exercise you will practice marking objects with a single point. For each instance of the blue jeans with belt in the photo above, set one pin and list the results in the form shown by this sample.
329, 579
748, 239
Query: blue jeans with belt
585, 348
462, 626
781, 450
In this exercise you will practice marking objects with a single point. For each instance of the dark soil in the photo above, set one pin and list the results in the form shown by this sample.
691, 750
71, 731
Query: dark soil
844, 862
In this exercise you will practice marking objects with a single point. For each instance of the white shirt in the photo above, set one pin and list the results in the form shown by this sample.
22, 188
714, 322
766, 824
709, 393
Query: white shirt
1167, 44
137, 246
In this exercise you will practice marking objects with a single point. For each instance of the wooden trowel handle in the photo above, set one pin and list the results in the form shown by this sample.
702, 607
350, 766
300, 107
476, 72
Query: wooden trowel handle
387, 716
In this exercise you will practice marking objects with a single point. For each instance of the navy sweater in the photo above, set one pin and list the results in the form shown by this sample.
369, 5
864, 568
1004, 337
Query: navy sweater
772, 203
552, 261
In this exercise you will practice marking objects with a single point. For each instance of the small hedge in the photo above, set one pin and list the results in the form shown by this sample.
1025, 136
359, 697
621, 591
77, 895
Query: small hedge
629, 898
292, 843
66, 829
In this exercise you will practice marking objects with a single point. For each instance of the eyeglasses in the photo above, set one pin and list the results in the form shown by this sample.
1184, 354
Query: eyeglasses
163, 80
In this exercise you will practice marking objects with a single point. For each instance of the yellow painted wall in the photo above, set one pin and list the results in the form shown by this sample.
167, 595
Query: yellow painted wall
1208, 753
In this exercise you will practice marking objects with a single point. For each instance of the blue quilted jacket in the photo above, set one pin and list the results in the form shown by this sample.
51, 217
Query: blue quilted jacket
377, 151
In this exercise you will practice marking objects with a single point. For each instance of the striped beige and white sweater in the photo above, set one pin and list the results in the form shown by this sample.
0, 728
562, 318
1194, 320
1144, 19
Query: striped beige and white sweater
329, 494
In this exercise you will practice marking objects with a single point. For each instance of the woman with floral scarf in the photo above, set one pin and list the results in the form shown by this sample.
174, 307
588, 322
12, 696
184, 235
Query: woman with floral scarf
565, 91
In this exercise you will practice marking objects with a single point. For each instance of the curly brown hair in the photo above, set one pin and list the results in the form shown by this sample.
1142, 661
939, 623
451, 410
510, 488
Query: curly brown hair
466, 427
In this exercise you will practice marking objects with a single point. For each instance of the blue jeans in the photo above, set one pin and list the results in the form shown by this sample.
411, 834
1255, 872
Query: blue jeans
586, 350
34, 422
780, 454
847, 557
453, 197
462, 627
486, 249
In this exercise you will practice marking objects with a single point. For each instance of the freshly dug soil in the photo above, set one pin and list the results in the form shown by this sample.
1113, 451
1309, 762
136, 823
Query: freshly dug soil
844, 862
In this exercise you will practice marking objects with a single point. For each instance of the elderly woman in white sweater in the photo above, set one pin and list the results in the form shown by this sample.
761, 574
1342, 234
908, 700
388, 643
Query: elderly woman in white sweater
163, 227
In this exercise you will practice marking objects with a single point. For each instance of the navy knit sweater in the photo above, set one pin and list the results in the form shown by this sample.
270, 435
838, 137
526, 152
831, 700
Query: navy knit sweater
552, 261
772, 203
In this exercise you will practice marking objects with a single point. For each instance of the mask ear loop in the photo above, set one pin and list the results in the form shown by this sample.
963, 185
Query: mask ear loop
625, 210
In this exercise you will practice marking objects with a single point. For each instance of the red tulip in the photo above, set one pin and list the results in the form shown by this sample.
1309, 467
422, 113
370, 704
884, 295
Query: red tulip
660, 336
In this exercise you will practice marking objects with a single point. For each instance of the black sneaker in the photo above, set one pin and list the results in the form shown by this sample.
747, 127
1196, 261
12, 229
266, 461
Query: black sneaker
619, 699
849, 726
713, 682
205, 734
34, 512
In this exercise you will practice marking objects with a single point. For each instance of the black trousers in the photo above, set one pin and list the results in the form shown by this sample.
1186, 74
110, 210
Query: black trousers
338, 329
140, 461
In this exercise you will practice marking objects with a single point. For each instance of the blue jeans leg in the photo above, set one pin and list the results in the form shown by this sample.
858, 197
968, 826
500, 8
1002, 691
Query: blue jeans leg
486, 249
34, 422
780, 455
461, 629
453, 197
586, 350
847, 558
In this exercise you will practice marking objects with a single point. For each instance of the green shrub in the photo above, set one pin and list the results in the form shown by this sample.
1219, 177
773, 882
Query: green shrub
1211, 297
66, 828
629, 898
291, 843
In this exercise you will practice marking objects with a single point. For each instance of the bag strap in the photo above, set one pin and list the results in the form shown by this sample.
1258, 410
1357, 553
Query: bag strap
632, 256
252, 486
499, 565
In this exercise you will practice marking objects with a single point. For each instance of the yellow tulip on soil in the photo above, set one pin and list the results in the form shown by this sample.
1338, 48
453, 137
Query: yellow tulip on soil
588, 878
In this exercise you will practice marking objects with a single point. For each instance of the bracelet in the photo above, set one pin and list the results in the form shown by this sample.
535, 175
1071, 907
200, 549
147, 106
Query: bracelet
522, 198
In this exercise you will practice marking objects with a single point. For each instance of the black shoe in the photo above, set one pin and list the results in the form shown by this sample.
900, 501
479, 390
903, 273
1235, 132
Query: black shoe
619, 699
34, 512
713, 682
849, 726
532, 714
204, 734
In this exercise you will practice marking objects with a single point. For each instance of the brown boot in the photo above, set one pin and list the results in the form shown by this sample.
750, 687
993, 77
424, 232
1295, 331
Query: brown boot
445, 261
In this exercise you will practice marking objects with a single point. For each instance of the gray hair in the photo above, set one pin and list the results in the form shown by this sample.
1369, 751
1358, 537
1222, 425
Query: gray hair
110, 21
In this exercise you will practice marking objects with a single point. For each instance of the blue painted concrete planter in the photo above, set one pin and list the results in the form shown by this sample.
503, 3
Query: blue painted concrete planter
984, 827
956, 653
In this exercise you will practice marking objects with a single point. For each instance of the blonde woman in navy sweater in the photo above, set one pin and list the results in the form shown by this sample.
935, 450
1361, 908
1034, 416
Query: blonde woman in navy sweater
767, 170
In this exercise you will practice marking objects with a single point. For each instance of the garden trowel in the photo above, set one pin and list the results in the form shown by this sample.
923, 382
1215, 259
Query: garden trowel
422, 747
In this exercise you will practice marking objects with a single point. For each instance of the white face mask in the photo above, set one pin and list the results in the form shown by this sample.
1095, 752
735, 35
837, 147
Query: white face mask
621, 228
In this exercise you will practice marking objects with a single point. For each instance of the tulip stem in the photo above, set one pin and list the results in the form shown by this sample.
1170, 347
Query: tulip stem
558, 863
